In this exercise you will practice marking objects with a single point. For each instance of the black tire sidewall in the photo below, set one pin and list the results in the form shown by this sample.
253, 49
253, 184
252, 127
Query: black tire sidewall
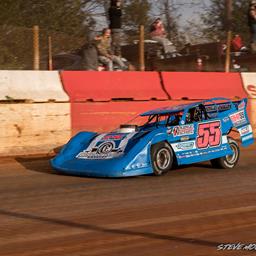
222, 161
154, 151
225, 162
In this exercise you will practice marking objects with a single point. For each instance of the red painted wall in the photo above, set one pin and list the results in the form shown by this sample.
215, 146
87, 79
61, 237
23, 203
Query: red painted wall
203, 85
106, 116
104, 86
101, 113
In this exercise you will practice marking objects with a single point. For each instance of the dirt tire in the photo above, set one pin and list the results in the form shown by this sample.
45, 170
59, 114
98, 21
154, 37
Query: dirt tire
228, 161
161, 158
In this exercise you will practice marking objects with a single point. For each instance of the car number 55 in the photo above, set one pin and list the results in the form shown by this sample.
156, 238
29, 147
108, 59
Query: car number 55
209, 135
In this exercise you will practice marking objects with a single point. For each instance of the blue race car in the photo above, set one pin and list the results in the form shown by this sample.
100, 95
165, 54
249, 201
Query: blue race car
156, 140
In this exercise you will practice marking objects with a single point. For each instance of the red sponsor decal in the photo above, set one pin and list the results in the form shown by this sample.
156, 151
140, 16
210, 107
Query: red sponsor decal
183, 130
237, 117
241, 105
251, 89
113, 137
209, 135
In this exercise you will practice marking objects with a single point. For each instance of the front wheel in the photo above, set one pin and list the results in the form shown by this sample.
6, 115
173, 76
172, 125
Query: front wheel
162, 158
228, 161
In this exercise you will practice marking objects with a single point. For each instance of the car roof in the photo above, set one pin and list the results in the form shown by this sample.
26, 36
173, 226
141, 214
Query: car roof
169, 110
165, 110
182, 107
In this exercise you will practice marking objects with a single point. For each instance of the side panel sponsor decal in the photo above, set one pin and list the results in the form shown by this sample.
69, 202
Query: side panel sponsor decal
245, 130
238, 118
197, 153
225, 119
241, 105
183, 146
246, 133
183, 130
218, 107
247, 137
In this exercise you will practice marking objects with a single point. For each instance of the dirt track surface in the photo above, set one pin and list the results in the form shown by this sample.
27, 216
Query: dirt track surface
189, 211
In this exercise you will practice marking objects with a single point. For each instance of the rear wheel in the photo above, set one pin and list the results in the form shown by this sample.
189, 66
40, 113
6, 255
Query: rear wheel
228, 161
162, 158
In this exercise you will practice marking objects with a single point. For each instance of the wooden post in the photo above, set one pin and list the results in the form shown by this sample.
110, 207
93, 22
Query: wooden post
227, 64
50, 66
36, 60
229, 34
142, 49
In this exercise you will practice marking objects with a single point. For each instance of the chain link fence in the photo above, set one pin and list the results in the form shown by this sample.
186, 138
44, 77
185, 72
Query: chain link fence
17, 52
16, 47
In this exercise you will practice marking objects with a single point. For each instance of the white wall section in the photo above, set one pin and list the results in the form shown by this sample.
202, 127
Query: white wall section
37, 86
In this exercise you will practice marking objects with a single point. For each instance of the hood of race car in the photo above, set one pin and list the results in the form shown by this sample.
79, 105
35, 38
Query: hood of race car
114, 154
109, 145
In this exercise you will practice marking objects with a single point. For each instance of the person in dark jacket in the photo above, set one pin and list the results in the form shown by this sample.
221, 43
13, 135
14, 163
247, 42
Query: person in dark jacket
90, 53
115, 24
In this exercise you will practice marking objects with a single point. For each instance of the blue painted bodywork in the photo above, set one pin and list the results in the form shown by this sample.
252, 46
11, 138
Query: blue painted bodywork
127, 152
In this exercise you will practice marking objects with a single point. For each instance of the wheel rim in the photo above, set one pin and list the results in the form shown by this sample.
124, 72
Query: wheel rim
231, 159
163, 158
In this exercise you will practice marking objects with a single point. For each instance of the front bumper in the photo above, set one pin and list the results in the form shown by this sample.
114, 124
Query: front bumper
97, 168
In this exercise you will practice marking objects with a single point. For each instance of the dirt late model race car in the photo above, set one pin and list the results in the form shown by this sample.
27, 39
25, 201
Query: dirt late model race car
156, 140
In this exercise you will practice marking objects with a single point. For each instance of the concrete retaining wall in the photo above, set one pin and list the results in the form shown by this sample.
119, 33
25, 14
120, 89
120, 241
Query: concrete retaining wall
33, 128
36, 86
36, 128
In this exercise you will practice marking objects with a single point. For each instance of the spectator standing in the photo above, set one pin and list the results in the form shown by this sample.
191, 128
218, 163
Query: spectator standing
90, 53
157, 33
115, 24
105, 53
252, 23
